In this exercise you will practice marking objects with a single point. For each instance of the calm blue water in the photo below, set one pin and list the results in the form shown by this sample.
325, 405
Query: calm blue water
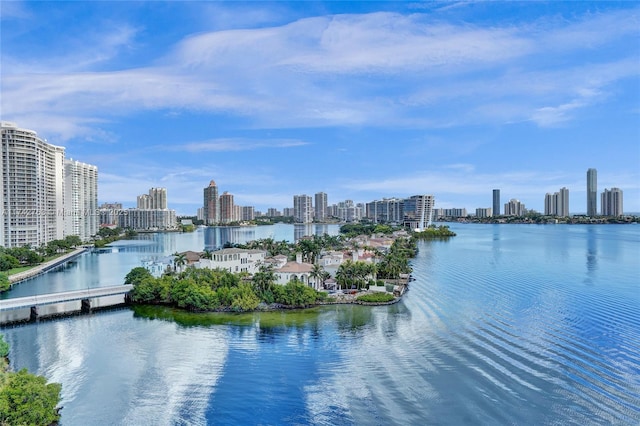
505, 324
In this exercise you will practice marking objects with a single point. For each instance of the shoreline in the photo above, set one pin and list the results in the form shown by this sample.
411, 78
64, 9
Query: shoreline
45, 266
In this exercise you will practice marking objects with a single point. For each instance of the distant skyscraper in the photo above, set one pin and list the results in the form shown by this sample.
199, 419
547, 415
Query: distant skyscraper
211, 208
143, 202
321, 207
158, 198
557, 204
611, 202
302, 208
81, 199
226, 208
496, 202
592, 192
514, 208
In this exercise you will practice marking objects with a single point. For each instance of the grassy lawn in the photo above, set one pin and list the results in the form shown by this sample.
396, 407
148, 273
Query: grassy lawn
17, 270
26, 268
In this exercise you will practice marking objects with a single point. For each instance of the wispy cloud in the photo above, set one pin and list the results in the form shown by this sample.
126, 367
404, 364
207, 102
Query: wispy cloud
235, 144
307, 73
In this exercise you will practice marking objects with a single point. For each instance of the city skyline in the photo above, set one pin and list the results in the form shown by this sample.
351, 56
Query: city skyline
360, 101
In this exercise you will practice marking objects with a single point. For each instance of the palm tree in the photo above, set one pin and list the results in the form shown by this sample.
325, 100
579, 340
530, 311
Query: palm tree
264, 278
317, 273
179, 260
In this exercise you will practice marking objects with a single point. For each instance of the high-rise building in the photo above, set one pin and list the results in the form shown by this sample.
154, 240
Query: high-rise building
483, 212
81, 199
496, 202
592, 192
418, 211
321, 207
226, 208
158, 198
387, 210
514, 208
248, 213
143, 202
31, 188
557, 204
611, 202
211, 206
302, 209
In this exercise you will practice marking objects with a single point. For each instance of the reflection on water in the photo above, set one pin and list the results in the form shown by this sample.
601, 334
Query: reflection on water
592, 251
480, 338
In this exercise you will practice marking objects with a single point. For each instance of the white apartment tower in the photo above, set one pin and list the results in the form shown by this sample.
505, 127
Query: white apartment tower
514, 208
611, 202
557, 204
81, 199
302, 209
321, 207
31, 188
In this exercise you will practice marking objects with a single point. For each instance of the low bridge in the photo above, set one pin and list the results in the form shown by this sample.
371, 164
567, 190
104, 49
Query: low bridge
85, 296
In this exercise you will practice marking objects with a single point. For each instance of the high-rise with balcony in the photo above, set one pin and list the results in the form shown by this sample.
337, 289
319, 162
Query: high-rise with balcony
81, 199
321, 207
227, 210
611, 202
302, 209
158, 198
31, 188
592, 192
211, 206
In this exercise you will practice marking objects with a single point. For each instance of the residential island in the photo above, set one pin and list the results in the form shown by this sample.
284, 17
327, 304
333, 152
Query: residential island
365, 264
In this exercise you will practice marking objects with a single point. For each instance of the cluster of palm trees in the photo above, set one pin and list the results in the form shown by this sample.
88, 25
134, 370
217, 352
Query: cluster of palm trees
350, 273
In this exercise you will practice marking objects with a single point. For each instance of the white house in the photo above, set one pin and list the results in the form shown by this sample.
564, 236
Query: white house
234, 260
297, 270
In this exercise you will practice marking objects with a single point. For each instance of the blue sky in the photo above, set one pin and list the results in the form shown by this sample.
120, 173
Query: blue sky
361, 100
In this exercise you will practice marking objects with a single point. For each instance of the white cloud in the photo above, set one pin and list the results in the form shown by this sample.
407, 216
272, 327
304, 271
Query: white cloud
372, 69
235, 144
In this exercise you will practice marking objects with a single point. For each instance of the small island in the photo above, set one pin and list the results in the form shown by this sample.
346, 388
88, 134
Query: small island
366, 264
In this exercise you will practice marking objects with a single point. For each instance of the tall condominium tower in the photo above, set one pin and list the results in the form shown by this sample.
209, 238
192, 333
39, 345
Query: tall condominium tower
226, 208
592, 192
31, 188
302, 209
158, 198
496, 202
514, 208
418, 211
557, 204
211, 208
321, 207
611, 202
81, 199
143, 202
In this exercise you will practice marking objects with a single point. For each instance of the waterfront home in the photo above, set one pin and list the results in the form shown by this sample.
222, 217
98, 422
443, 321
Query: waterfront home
296, 270
234, 260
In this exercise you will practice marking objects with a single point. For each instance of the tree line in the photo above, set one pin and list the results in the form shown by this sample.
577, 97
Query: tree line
26, 399
217, 290
25, 256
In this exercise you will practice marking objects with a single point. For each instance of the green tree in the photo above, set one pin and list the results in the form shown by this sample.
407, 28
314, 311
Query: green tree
179, 260
73, 240
136, 275
8, 262
4, 282
263, 279
27, 399
4, 347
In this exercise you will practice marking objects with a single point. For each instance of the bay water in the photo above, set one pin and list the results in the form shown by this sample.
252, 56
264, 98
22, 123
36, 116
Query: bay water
504, 324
